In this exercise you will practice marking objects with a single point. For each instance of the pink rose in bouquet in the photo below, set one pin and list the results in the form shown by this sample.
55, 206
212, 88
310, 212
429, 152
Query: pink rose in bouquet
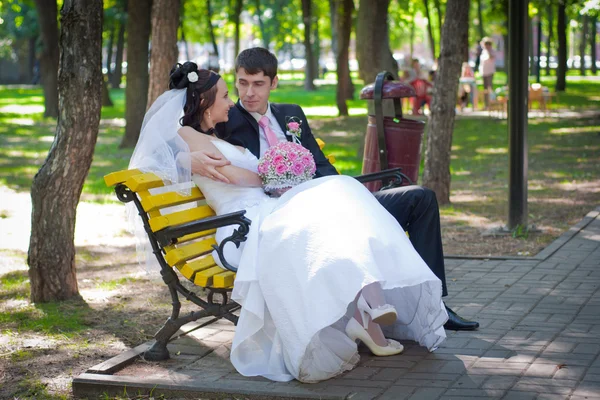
285, 165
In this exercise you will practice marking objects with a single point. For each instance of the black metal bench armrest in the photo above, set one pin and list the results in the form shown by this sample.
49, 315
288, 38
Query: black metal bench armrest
169, 236
394, 173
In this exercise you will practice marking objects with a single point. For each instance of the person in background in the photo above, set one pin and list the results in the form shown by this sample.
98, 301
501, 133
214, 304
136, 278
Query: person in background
487, 68
468, 87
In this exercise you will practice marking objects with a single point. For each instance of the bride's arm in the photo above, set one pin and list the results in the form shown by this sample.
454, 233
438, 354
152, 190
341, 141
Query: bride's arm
201, 143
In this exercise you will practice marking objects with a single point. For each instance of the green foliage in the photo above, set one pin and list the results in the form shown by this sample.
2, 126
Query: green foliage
18, 21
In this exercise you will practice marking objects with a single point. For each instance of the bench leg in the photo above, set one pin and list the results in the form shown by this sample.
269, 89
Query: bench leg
158, 351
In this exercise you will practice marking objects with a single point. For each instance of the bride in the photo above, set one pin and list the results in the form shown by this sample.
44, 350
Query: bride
322, 266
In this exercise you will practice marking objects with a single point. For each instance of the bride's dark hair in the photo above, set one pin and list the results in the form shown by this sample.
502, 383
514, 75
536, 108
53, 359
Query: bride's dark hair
194, 108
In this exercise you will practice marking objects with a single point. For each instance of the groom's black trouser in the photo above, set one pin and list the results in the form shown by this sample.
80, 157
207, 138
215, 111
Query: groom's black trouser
416, 209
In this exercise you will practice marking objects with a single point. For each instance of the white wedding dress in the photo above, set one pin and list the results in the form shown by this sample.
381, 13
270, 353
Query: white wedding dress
307, 256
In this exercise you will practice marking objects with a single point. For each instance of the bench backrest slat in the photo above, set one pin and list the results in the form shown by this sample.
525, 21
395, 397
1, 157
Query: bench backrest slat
169, 199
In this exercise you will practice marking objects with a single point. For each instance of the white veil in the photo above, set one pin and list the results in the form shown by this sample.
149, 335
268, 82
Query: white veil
162, 151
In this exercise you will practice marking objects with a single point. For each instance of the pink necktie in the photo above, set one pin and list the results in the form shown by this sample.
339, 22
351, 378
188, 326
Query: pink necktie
270, 135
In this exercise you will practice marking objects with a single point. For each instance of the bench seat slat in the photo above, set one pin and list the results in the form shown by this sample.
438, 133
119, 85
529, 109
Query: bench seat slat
193, 236
205, 278
170, 199
224, 279
186, 252
180, 217
190, 269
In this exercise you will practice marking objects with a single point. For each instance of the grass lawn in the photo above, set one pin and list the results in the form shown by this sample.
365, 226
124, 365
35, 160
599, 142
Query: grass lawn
42, 347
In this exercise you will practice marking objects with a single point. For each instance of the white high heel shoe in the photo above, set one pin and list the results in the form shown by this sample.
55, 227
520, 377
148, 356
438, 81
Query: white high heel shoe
355, 330
382, 315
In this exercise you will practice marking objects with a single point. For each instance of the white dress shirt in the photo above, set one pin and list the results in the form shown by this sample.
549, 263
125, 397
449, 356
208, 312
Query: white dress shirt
262, 138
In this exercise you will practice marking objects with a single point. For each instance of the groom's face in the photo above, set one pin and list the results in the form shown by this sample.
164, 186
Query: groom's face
254, 90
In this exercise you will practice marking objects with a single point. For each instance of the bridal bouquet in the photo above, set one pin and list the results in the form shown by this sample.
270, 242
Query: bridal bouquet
285, 165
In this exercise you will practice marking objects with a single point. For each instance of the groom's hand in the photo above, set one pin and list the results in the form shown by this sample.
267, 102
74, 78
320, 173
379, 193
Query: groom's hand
205, 163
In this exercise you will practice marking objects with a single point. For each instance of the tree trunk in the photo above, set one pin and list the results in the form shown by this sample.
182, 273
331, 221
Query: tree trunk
165, 20
549, 38
211, 30
185, 43
440, 16
316, 43
412, 37
561, 32
429, 29
333, 15
31, 57
106, 101
109, 53
372, 41
261, 24
136, 90
309, 69
538, 49
455, 37
583, 44
480, 17
118, 72
343, 31
236, 20
57, 185
47, 15
593, 34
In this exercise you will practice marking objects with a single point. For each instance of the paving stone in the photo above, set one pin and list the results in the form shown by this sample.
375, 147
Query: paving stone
469, 381
426, 394
474, 393
398, 393
587, 348
541, 370
517, 395
499, 382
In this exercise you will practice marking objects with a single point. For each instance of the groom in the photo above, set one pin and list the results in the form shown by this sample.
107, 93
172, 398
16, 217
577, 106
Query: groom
255, 124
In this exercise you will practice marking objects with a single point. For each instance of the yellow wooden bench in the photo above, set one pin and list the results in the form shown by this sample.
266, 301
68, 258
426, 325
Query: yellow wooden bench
184, 240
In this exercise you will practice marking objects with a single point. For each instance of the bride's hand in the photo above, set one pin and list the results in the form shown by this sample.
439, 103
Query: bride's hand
205, 162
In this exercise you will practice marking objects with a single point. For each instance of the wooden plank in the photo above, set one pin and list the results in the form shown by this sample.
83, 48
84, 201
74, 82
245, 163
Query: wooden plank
331, 158
180, 217
193, 236
188, 251
205, 278
120, 361
120, 176
145, 181
169, 199
224, 279
321, 143
190, 269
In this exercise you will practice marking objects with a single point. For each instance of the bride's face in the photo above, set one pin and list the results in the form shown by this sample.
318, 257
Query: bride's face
219, 111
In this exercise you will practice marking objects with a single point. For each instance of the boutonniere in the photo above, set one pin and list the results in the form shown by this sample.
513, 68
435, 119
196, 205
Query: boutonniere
293, 128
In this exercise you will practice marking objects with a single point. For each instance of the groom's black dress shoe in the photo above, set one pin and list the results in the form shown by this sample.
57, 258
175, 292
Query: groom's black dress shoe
457, 323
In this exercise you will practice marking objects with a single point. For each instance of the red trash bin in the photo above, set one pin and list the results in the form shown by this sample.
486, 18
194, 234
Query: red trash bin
400, 138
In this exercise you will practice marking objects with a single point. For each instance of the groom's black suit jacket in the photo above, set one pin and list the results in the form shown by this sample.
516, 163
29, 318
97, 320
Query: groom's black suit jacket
242, 130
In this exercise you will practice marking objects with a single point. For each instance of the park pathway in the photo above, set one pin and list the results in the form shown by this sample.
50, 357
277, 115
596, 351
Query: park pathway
539, 339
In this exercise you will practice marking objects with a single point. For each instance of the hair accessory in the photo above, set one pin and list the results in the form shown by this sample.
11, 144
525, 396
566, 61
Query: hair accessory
192, 77
212, 80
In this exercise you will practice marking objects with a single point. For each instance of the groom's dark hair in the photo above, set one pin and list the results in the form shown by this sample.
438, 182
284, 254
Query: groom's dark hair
257, 59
